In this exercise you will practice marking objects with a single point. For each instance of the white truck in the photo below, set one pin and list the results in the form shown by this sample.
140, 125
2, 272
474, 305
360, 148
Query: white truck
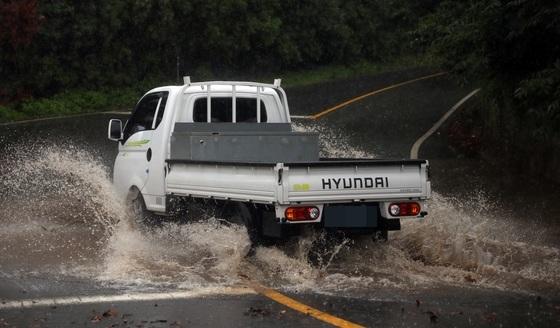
232, 144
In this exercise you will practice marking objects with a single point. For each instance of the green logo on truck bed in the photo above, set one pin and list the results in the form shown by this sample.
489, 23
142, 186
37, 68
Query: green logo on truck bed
301, 187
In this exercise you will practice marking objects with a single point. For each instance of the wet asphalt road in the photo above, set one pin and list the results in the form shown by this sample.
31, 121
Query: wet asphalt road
386, 125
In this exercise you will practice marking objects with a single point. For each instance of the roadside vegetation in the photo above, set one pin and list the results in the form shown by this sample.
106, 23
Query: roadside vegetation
54, 53
65, 57
123, 98
512, 50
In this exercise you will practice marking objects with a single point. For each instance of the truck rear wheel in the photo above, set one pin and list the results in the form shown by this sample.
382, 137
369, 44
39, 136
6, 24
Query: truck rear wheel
381, 235
241, 214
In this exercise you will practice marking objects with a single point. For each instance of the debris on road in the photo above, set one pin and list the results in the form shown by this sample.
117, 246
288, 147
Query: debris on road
469, 278
490, 317
433, 317
96, 318
112, 312
254, 312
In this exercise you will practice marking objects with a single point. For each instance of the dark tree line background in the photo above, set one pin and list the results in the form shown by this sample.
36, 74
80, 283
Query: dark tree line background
48, 46
511, 48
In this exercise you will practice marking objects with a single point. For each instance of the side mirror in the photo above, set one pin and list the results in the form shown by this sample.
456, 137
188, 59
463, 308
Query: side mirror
115, 132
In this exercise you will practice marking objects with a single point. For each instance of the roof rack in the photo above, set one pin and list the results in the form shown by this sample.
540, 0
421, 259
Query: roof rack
259, 86
275, 85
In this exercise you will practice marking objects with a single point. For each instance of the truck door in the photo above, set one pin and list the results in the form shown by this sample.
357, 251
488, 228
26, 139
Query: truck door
132, 163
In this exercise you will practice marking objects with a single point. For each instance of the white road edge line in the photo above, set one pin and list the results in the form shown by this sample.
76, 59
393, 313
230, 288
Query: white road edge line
416, 147
76, 300
60, 117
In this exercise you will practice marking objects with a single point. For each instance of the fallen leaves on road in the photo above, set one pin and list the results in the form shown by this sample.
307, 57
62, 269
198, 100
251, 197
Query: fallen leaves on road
254, 312
96, 318
433, 317
112, 312
490, 317
469, 278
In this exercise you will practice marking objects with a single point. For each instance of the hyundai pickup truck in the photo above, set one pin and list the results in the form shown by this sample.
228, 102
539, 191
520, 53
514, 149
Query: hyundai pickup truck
231, 144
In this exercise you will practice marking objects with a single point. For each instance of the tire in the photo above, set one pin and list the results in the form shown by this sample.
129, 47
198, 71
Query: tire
381, 235
141, 217
241, 214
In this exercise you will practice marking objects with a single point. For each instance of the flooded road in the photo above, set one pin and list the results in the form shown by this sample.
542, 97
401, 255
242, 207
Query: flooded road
473, 261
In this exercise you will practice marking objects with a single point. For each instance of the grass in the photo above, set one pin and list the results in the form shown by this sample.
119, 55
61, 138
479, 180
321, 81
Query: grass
339, 72
71, 103
88, 101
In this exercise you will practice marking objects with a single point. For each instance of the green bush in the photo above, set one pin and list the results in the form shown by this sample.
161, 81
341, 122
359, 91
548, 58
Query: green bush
72, 102
108, 43
511, 47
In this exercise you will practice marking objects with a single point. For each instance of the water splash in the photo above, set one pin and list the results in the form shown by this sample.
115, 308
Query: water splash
59, 213
197, 254
56, 205
333, 143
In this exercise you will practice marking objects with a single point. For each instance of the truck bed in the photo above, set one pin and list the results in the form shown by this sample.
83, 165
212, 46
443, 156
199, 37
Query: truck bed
315, 182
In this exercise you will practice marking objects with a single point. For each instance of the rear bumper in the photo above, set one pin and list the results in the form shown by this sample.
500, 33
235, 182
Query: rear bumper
353, 218
352, 215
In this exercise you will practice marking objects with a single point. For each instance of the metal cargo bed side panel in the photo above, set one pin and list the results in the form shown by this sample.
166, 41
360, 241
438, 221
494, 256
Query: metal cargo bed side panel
243, 183
243, 142
347, 182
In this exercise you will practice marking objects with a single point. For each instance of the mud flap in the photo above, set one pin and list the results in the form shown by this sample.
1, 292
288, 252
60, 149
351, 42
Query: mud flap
391, 224
271, 227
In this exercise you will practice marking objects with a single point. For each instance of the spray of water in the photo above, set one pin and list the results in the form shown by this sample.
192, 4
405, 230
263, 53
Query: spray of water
333, 143
56, 205
58, 212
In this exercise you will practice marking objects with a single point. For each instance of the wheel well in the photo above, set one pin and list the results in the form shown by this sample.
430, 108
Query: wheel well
133, 191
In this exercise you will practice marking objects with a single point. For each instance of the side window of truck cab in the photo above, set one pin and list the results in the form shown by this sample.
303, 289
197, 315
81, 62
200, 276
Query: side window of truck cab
147, 115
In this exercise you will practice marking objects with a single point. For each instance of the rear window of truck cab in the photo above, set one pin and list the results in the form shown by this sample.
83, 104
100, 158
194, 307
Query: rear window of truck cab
221, 110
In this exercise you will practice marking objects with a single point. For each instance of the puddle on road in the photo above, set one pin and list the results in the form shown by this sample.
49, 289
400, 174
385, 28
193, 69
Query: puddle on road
59, 215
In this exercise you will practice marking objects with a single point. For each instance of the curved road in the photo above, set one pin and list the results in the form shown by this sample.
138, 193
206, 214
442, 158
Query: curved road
41, 288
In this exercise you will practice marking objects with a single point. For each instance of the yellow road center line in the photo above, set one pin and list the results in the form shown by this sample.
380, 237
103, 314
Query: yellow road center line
393, 86
300, 307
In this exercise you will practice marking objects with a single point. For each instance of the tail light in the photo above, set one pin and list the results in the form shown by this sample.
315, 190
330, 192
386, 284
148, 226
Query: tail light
404, 209
302, 213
